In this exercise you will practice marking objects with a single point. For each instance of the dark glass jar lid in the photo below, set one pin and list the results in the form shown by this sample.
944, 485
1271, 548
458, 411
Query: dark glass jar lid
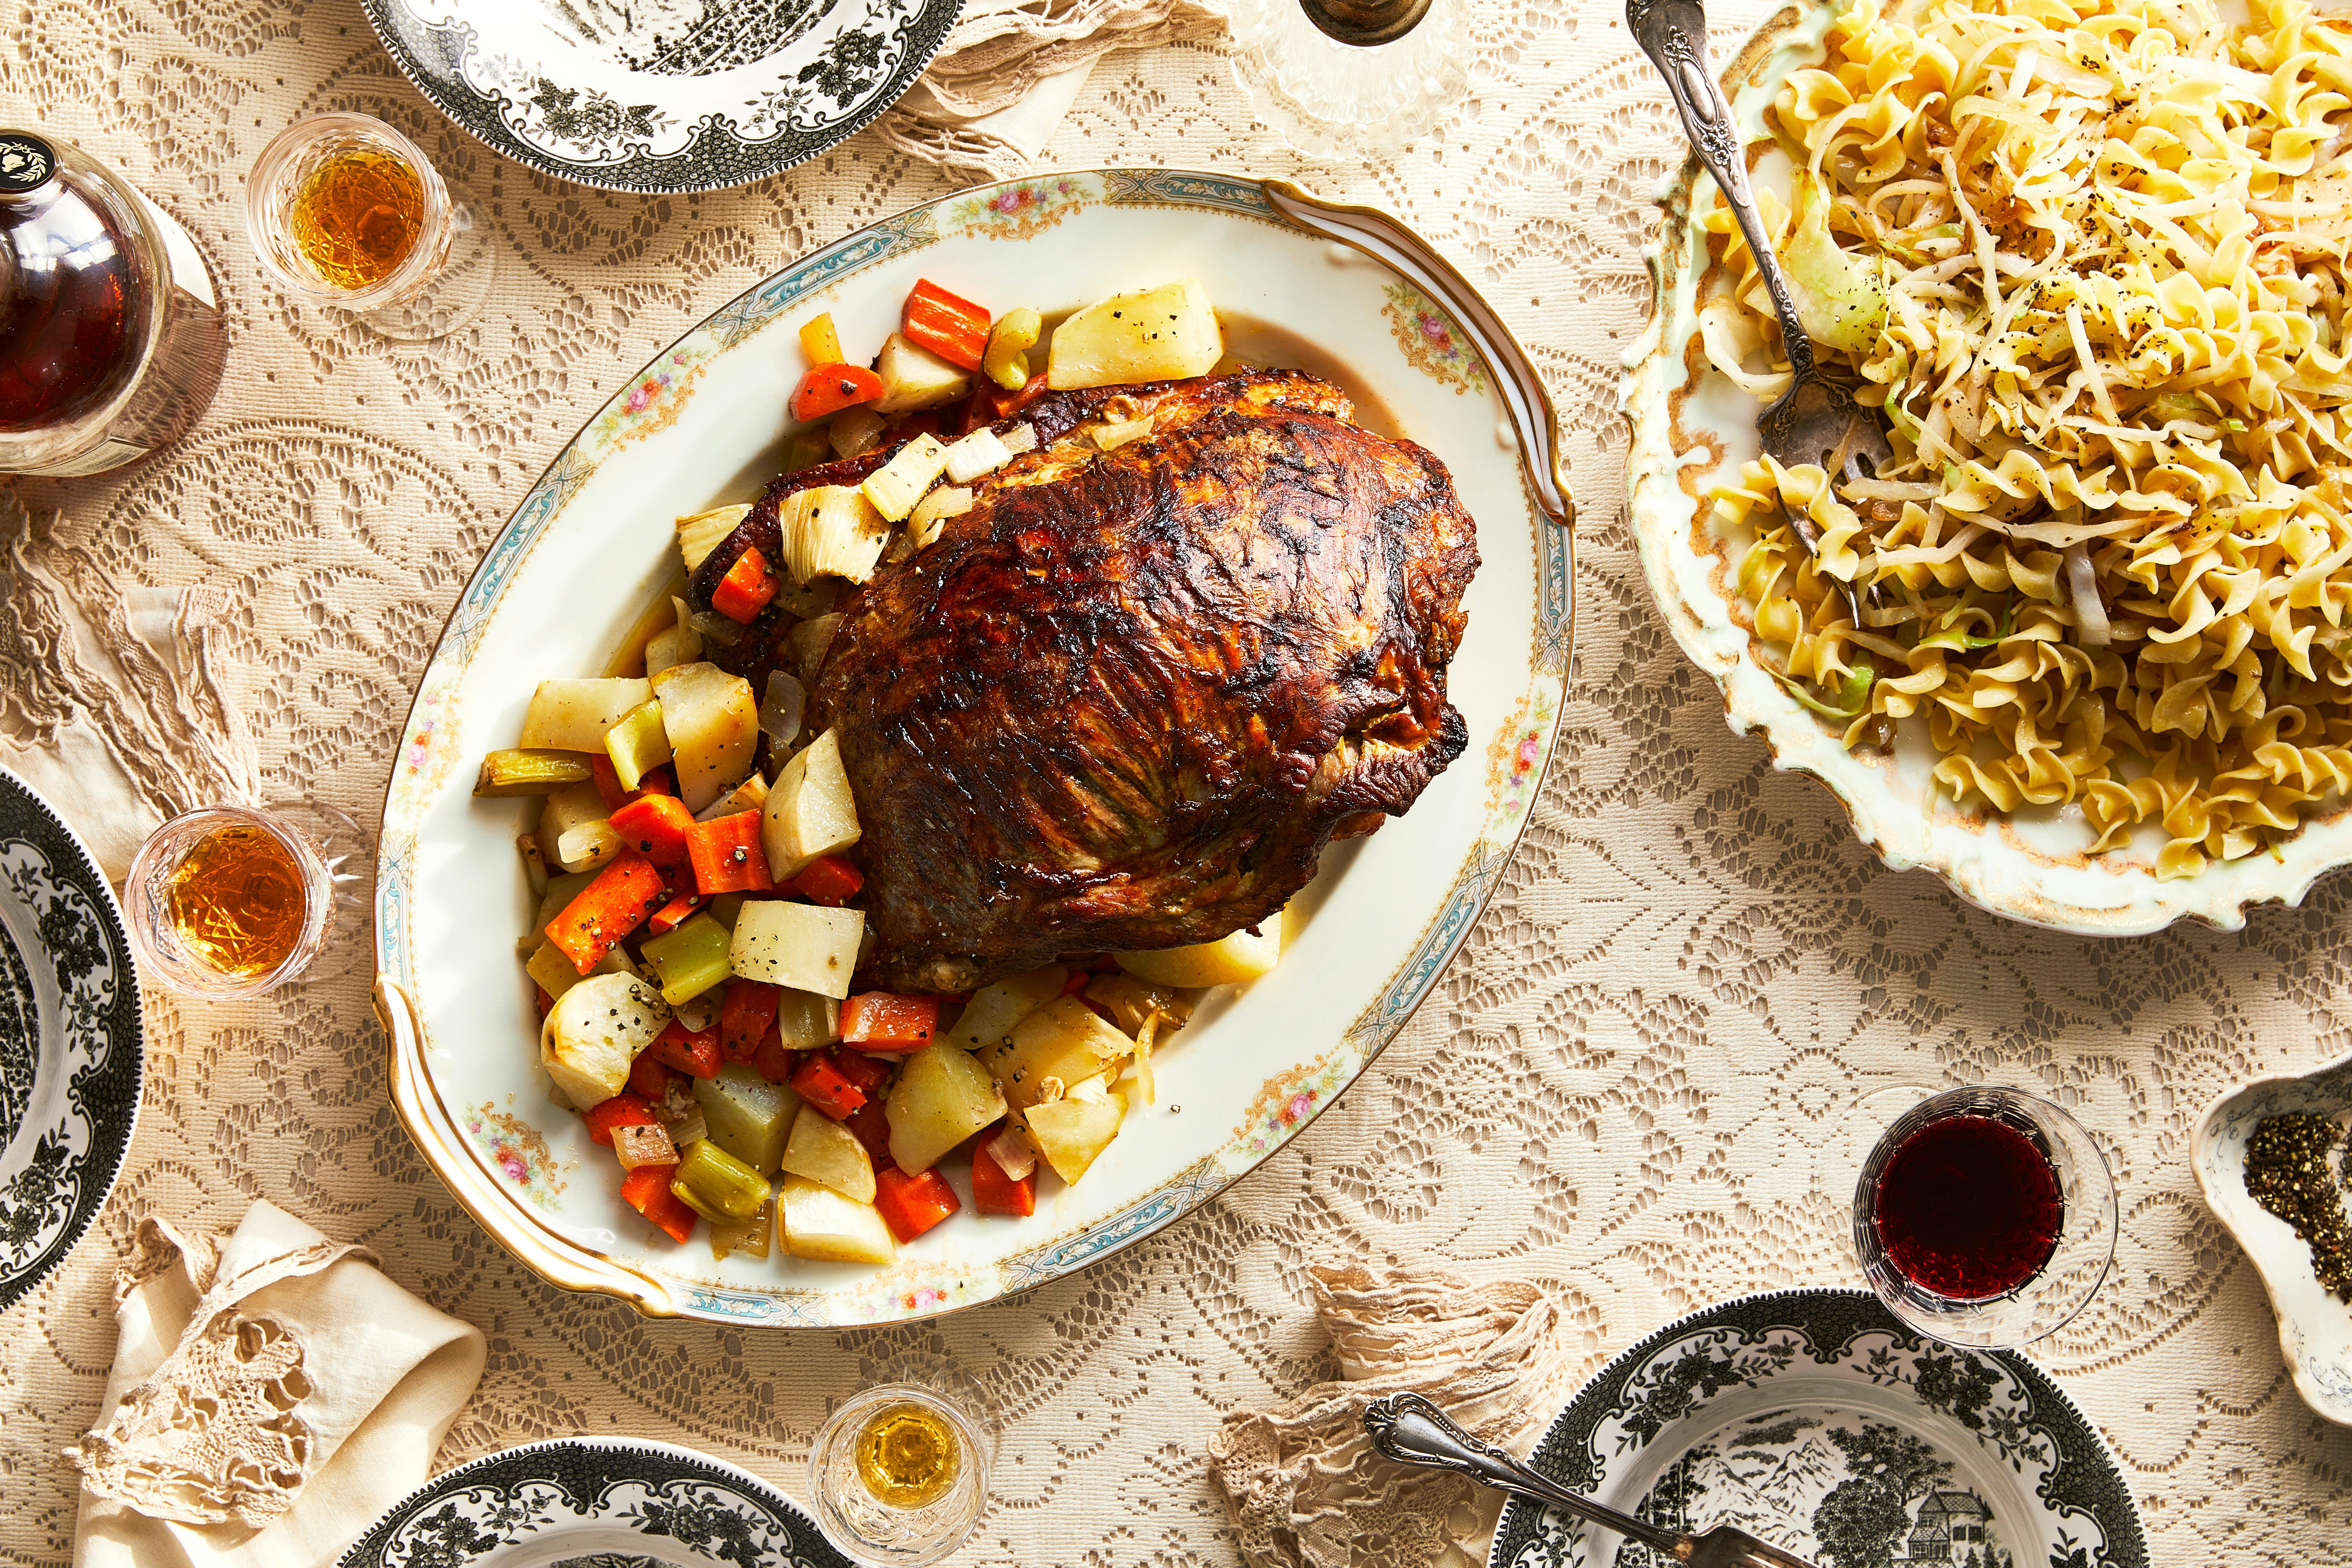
26, 162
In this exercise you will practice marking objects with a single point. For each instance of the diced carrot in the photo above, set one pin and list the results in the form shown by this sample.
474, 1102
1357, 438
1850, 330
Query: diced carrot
828, 880
1076, 981
869, 1073
675, 913
608, 782
695, 1055
819, 341
830, 388
748, 1012
1008, 404
949, 325
820, 1081
994, 1191
912, 1204
607, 909
624, 1110
746, 589
646, 1190
727, 856
886, 1021
656, 827
656, 781
772, 1061
649, 1076
871, 1124
546, 1002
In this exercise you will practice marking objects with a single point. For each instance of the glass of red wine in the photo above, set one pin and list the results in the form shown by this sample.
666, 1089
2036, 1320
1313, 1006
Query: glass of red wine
1985, 1217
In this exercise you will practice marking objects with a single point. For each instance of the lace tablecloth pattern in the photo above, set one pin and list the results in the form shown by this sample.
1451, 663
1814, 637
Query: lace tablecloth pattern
1689, 974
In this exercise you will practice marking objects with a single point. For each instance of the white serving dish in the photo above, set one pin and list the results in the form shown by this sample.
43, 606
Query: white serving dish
2314, 1328
1691, 429
591, 543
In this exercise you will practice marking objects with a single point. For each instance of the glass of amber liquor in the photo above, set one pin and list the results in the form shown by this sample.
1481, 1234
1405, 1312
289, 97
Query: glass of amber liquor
229, 901
899, 1474
344, 210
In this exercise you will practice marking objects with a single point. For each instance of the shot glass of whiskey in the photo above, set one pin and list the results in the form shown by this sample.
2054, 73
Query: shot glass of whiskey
899, 1474
229, 901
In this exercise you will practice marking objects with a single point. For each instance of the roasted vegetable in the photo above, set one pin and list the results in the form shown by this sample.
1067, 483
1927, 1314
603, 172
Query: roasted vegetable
530, 772
1228, 960
1073, 1132
645, 1144
942, 1097
913, 377
800, 945
638, 744
989, 1017
1061, 1043
646, 1190
574, 715
1166, 334
899, 484
595, 1031
949, 325
713, 724
912, 1204
822, 1149
830, 388
995, 1191
830, 531
726, 854
607, 909
1006, 363
716, 1185
747, 1116
811, 811
821, 1225
820, 340
690, 959
703, 533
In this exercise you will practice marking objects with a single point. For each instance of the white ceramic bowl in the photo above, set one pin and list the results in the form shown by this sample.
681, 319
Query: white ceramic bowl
1693, 428
702, 424
2315, 1327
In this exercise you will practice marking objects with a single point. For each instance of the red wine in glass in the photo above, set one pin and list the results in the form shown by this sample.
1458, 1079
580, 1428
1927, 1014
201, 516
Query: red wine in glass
1969, 1207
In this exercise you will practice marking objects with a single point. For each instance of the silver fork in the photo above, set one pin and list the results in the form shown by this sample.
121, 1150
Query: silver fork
1816, 420
1411, 1430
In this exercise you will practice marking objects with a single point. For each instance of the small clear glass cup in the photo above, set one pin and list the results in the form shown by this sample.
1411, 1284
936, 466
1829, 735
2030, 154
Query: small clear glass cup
2077, 1265
441, 282
1332, 81
863, 1525
327, 849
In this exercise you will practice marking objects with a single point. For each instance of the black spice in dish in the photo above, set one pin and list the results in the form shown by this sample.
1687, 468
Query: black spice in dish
2288, 1172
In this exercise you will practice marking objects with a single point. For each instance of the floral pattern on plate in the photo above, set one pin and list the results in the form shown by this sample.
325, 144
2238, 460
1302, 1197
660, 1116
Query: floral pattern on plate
1816, 1421
1432, 342
596, 1502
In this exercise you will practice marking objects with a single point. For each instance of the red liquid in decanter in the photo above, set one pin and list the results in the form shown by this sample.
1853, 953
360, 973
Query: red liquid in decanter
71, 314
1969, 1207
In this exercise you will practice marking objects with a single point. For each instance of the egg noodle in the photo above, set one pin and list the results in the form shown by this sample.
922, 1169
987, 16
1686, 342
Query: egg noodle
2091, 259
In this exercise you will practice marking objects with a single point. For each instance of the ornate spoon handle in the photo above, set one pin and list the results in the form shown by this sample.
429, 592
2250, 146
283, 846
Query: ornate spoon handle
1411, 1430
1673, 33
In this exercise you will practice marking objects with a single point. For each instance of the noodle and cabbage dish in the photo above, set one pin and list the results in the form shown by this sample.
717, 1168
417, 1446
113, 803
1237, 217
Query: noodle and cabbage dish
2089, 261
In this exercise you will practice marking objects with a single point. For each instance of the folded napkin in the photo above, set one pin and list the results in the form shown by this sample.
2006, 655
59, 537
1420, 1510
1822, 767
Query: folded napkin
1010, 70
1304, 1488
272, 1395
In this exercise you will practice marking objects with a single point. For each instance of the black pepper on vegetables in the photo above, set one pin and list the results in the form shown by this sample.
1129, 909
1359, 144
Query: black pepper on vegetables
2288, 1172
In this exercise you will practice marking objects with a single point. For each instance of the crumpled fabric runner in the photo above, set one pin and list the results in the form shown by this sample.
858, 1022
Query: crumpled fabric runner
272, 1394
1010, 70
1305, 1489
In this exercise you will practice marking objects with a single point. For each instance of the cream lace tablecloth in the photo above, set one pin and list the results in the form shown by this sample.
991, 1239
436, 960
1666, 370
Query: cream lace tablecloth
1619, 1085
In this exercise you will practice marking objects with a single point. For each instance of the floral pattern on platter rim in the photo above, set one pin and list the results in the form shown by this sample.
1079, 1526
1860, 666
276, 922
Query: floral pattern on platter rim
1510, 684
1816, 1420
2315, 1327
643, 98
596, 1502
71, 1054
1688, 430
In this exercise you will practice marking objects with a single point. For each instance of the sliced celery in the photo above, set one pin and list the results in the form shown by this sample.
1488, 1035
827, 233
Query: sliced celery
691, 959
716, 1185
638, 744
530, 772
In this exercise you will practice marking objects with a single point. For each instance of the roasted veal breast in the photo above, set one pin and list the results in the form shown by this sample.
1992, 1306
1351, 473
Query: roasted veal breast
1126, 699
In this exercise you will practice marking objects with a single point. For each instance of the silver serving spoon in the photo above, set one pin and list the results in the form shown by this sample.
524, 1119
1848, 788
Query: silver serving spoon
1411, 1430
1816, 420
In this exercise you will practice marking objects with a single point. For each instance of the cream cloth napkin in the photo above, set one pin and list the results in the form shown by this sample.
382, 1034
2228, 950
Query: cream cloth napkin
1304, 1486
272, 1395
1010, 70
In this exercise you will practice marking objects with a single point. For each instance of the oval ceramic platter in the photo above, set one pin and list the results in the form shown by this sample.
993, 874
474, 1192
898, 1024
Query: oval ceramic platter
70, 1052
1817, 1422
2315, 1326
701, 426
1693, 428
594, 1502
662, 95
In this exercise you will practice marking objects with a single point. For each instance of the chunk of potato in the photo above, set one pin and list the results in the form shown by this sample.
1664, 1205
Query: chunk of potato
942, 1097
988, 1018
747, 1116
1154, 334
827, 1151
1062, 1040
595, 1031
1228, 960
801, 945
811, 811
713, 724
574, 715
915, 377
821, 1225
1071, 1133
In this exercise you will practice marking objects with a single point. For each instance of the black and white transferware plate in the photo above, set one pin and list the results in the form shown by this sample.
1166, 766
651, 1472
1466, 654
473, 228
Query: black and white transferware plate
662, 95
1818, 1422
69, 1044
594, 1502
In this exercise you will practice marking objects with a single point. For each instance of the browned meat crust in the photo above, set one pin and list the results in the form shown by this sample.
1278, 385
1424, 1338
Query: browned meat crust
1126, 701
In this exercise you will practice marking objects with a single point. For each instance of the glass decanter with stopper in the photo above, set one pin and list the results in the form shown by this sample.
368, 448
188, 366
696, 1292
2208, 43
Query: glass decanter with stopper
110, 333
